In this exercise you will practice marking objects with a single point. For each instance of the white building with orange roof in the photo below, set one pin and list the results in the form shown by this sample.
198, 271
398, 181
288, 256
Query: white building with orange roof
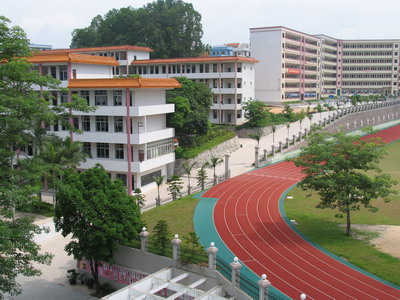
124, 55
231, 79
127, 133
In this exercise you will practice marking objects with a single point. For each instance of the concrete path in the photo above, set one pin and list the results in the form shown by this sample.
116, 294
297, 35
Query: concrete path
53, 283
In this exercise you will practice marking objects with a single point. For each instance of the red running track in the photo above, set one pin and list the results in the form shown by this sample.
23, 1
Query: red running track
248, 219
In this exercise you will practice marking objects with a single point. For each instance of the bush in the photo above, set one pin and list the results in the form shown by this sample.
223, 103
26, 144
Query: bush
203, 143
37, 206
73, 276
89, 282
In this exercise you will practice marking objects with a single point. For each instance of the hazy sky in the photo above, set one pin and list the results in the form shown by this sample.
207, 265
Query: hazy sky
224, 21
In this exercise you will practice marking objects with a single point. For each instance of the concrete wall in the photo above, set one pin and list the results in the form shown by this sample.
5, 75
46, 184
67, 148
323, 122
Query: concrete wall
364, 115
218, 151
244, 133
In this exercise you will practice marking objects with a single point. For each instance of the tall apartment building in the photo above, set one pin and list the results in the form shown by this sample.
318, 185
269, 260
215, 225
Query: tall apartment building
231, 79
127, 133
298, 66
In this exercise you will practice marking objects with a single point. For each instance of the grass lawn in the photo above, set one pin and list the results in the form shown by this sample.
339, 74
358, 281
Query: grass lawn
321, 226
178, 214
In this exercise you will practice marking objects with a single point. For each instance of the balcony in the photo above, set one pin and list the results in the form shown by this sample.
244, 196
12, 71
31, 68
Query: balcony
142, 138
135, 111
149, 164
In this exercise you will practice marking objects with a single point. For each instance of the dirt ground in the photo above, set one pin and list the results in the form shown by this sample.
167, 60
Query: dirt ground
388, 239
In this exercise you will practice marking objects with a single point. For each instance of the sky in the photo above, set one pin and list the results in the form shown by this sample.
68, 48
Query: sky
51, 22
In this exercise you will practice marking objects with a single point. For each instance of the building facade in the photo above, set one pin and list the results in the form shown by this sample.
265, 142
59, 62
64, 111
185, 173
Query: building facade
231, 79
298, 66
127, 133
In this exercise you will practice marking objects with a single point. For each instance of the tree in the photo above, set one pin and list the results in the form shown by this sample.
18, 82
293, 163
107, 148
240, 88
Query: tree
256, 136
336, 166
201, 177
301, 117
188, 167
175, 186
310, 116
139, 198
193, 247
256, 112
273, 133
161, 236
20, 179
288, 128
98, 213
319, 109
172, 28
192, 107
159, 180
212, 164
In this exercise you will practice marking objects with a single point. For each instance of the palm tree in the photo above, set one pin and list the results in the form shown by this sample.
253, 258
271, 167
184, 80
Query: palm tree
58, 155
175, 187
213, 163
256, 136
201, 176
310, 116
273, 133
302, 116
288, 126
159, 181
319, 109
188, 167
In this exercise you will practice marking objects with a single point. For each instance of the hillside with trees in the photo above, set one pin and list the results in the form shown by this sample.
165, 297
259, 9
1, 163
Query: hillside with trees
172, 28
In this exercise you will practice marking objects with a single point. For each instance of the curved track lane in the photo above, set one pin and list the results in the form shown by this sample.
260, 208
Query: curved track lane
248, 219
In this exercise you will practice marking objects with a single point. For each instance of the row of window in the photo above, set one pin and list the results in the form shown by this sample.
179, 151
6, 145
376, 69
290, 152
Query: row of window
238, 115
371, 46
369, 76
385, 83
118, 151
300, 39
369, 61
369, 53
367, 69
187, 68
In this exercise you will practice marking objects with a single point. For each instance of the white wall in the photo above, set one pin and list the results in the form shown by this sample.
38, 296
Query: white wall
139, 55
266, 48
156, 122
145, 97
85, 71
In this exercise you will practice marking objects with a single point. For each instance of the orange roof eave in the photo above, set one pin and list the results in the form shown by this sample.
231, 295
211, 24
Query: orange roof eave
154, 83
194, 60
72, 58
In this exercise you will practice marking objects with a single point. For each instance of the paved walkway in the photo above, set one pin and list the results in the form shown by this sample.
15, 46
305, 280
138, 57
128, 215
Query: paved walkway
53, 283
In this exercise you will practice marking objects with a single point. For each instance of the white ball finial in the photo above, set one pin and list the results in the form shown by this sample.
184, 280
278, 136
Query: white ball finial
176, 236
144, 229
303, 296
212, 244
235, 259
263, 276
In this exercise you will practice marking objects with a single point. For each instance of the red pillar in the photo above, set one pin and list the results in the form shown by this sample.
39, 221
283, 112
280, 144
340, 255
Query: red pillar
128, 139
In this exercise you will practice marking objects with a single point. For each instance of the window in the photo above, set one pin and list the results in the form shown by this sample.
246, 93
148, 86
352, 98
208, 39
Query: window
100, 98
118, 124
103, 150
76, 123
117, 98
119, 151
74, 73
85, 95
215, 68
102, 123
64, 97
63, 73
121, 177
53, 72
215, 114
54, 98
86, 123
159, 148
87, 148
149, 178
239, 114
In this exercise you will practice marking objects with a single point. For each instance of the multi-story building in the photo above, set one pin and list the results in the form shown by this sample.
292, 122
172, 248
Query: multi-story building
127, 133
298, 66
231, 79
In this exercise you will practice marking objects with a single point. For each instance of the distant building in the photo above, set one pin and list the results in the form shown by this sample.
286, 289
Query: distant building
294, 65
40, 47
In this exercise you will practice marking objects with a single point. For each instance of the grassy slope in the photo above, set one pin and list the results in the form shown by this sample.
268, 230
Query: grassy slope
178, 214
322, 227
